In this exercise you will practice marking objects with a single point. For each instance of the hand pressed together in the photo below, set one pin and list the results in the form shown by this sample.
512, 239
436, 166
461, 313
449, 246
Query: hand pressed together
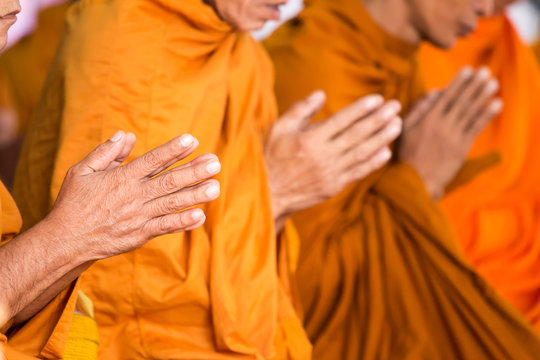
113, 209
311, 162
440, 130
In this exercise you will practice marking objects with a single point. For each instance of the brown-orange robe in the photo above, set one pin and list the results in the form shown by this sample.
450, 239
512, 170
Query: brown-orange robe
496, 216
380, 274
160, 69
45, 335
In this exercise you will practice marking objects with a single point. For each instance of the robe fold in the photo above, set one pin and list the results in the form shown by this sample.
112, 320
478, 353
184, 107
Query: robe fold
380, 273
160, 69
496, 216
45, 335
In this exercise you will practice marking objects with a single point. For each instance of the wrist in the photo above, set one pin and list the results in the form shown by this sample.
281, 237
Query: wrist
64, 246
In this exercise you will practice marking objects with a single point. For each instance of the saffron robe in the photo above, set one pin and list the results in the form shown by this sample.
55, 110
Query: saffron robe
160, 69
380, 273
496, 215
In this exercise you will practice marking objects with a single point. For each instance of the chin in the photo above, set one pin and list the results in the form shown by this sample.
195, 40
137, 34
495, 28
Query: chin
442, 42
247, 26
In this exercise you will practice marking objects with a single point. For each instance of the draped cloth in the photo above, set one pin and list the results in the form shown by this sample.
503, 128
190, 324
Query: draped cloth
496, 216
380, 274
44, 336
160, 69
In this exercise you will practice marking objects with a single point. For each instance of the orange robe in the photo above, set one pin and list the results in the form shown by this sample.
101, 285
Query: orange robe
496, 216
160, 69
45, 335
380, 274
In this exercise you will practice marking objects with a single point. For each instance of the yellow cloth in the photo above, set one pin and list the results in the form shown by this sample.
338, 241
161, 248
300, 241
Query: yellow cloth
24, 66
380, 274
496, 215
160, 69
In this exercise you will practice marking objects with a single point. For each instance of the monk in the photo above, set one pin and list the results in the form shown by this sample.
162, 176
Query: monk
156, 67
103, 210
380, 273
23, 68
495, 215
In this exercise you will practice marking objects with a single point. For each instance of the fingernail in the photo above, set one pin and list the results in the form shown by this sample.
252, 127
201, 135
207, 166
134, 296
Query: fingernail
390, 110
394, 130
484, 73
373, 101
466, 72
384, 155
317, 96
212, 191
492, 86
496, 106
186, 140
213, 167
197, 214
117, 136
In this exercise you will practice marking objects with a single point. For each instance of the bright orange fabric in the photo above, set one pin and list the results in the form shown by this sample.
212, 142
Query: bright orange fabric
44, 335
380, 274
496, 216
160, 69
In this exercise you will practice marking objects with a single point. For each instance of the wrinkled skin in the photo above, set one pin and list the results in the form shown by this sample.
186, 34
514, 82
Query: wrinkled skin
441, 128
309, 163
104, 209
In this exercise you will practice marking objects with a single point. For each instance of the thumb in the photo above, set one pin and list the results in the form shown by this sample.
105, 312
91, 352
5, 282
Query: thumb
107, 155
301, 112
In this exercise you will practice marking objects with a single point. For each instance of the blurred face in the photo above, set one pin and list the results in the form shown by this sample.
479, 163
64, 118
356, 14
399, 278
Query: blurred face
8, 15
247, 15
442, 22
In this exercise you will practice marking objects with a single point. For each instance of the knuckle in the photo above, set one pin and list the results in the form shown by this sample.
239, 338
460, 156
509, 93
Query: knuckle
172, 203
168, 183
305, 143
152, 160
164, 224
73, 171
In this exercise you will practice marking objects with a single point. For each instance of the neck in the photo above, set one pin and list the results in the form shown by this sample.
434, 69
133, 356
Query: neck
394, 17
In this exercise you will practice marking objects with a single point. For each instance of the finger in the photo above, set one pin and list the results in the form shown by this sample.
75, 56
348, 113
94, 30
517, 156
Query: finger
471, 92
173, 223
160, 158
301, 112
365, 150
362, 170
178, 178
368, 126
452, 91
493, 109
104, 155
128, 146
420, 109
194, 195
482, 101
347, 116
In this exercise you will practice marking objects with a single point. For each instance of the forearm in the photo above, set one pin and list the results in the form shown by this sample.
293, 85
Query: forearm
50, 293
35, 267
